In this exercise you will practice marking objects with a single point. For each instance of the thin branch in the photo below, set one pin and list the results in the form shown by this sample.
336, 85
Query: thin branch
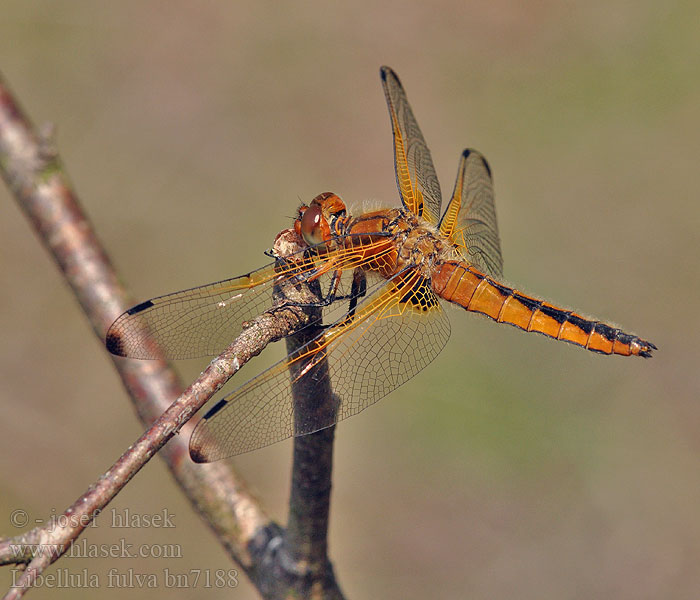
77, 517
33, 172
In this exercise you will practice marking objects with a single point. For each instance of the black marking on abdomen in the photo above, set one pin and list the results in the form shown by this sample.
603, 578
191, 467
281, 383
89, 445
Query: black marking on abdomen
505, 291
626, 338
529, 303
583, 324
475, 273
609, 333
560, 316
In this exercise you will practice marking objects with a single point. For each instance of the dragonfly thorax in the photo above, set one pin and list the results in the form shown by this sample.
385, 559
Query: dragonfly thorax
390, 240
421, 247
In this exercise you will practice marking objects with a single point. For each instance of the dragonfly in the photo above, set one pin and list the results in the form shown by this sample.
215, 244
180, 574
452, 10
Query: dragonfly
378, 279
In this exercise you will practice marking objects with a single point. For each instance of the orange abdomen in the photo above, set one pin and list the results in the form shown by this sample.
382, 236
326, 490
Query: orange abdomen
462, 284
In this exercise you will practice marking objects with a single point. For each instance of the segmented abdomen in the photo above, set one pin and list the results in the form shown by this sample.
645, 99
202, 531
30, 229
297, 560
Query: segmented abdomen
462, 284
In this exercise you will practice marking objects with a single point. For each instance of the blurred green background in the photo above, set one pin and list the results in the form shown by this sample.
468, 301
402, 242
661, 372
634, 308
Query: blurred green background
512, 467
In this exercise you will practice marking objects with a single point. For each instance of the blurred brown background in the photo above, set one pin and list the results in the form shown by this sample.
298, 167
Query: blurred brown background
514, 466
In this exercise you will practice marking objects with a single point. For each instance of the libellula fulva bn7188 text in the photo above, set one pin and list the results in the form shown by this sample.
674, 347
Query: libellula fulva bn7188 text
378, 277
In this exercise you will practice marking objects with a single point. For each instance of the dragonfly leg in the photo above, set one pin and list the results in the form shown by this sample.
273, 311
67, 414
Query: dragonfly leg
358, 290
324, 300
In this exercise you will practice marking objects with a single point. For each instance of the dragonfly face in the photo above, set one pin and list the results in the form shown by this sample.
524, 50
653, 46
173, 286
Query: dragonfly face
322, 220
379, 276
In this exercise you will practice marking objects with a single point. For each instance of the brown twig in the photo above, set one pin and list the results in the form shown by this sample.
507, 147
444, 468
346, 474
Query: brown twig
251, 342
31, 168
34, 174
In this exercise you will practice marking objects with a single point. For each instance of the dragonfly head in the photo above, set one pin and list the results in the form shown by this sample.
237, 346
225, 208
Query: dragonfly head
321, 219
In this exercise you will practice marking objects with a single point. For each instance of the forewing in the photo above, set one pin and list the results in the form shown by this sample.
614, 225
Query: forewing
200, 321
396, 331
415, 174
470, 218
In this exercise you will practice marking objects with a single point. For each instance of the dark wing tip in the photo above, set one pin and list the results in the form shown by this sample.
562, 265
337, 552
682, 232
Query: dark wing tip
115, 342
197, 455
387, 72
203, 446
468, 151
114, 339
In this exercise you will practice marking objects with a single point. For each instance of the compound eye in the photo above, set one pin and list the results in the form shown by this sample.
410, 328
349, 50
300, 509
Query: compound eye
311, 225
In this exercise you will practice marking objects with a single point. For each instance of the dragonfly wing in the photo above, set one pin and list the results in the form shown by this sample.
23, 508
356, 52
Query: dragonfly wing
200, 321
470, 219
415, 174
396, 331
